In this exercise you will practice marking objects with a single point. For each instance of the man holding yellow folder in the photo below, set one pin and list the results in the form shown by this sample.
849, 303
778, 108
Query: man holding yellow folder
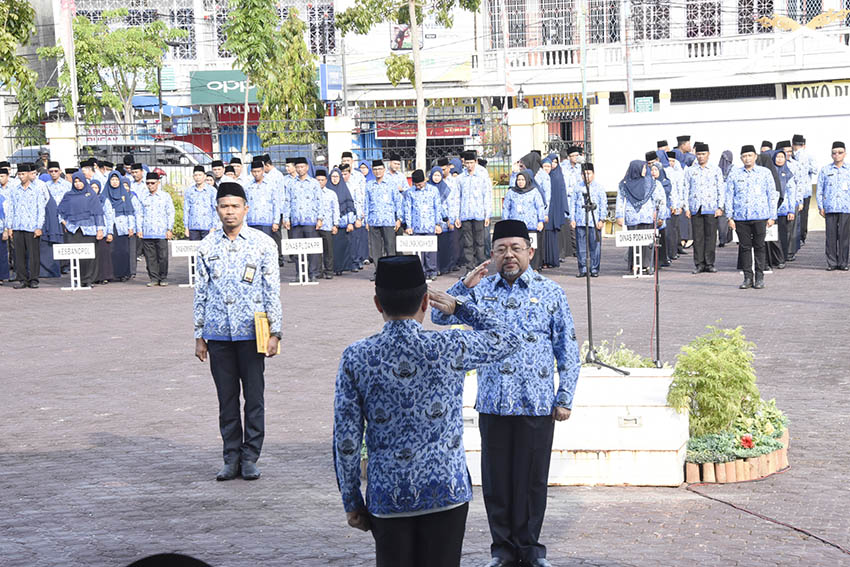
238, 284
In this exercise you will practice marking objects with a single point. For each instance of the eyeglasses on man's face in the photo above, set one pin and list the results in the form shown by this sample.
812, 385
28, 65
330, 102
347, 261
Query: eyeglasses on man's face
516, 250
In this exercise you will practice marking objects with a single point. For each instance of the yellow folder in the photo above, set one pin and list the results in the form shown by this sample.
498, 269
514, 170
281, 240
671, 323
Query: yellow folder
261, 329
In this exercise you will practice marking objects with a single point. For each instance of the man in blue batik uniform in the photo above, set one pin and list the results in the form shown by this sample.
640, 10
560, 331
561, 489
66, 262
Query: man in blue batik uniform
751, 203
517, 401
407, 383
833, 198
238, 275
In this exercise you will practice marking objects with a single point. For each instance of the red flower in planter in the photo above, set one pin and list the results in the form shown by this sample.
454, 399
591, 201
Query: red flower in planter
747, 441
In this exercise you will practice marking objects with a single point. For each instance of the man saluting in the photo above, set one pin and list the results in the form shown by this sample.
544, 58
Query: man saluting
407, 383
517, 402
238, 275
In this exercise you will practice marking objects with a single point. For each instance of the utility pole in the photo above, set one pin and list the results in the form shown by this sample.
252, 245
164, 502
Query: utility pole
344, 78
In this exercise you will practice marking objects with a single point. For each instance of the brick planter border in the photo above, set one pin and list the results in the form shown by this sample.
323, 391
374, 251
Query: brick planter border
740, 470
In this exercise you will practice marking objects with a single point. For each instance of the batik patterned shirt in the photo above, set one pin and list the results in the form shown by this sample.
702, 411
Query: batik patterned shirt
199, 208
422, 209
58, 189
407, 383
705, 189
645, 214
305, 203
833, 194
236, 278
25, 208
751, 194
523, 383
597, 196
527, 207
383, 203
476, 196
157, 215
330, 209
264, 202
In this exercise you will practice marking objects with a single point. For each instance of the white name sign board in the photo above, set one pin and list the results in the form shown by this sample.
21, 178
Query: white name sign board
184, 248
84, 251
770, 235
416, 243
625, 238
532, 236
301, 246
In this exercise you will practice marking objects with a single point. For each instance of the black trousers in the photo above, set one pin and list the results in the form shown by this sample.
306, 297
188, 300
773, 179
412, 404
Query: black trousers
197, 234
235, 363
472, 233
750, 240
804, 219
156, 258
515, 454
704, 235
307, 231
27, 256
88, 268
382, 241
537, 260
673, 236
430, 540
327, 251
837, 239
786, 235
646, 252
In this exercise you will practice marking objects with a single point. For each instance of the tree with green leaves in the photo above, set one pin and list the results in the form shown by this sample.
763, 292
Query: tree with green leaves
113, 64
17, 24
365, 14
279, 64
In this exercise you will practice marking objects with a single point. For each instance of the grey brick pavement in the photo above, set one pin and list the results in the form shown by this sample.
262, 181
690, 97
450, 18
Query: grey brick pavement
109, 441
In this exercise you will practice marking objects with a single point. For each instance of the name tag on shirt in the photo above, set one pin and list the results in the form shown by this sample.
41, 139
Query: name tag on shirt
248, 275
489, 298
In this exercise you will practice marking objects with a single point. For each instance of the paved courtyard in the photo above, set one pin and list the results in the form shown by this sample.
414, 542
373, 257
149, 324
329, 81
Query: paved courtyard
109, 441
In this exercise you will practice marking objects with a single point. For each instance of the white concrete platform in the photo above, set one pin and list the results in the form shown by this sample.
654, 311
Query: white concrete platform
620, 432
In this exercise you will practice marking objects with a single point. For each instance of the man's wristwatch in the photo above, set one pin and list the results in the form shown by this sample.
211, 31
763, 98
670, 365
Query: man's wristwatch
275, 335
460, 301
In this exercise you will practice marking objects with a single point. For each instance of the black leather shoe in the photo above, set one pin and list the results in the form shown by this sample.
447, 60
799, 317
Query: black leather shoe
34, 285
540, 562
792, 257
329, 276
228, 471
499, 562
22, 285
711, 270
828, 269
780, 266
844, 268
594, 274
698, 271
748, 283
250, 470
759, 284
581, 275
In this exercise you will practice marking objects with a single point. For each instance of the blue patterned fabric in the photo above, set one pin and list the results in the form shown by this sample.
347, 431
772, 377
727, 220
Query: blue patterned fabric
810, 166
383, 203
330, 209
704, 188
522, 384
397, 180
645, 214
58, 189
199, 208
676, 175
121, 225
545, 184
476, 196
305, 202
407, 384
264, 203
751, 194
597, 197
451, 205
801, 181
357, 187
422, 209
833, 195
527, 207
225, 302
157, 214
25, 208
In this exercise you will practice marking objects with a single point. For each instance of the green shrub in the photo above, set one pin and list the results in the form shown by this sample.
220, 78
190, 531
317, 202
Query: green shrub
619, 356
725, 447
177, 197
760, 418
714, 380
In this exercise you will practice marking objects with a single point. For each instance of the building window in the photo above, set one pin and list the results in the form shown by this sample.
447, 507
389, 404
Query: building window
603, 21
516, 23
803, 11
702, 18
494, 11
651, 19
751, 10
140, 17
322, 29
220, 35
558, 25
184, 19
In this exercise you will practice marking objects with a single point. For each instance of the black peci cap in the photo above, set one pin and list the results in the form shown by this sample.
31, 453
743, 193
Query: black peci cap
53, 165
798, 139
377, 163
650, 156
443, 161
235, 161
510, 229
661, 143
152, 176
198, 168
766, 144
230, 188
399, 273
700, 147
748, 148
837, 145
257, 163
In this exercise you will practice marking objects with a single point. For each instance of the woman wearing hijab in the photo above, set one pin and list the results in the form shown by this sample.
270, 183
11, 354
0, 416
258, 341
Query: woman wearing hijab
51, 233
103, 247
558, 211
455, 169
81, 213
120, 208
637, 196
663, 212
4, 237
342, 240
724, 233
778, 252
524, 203
450, 201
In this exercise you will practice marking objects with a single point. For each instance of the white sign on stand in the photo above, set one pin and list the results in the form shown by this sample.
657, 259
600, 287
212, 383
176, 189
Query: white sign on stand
187, 249
301, 247
636, 239
532, 236
416, 244
74, 253
770, 235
